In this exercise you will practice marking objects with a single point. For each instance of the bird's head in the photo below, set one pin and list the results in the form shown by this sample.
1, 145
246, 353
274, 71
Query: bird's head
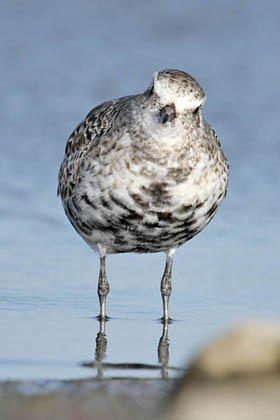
177, 89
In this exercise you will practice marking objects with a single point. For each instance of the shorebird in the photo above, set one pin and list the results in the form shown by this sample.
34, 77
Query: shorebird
144, 173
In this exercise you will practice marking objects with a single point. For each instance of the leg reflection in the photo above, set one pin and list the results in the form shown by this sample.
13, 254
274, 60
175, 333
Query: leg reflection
100, 354
101, 347
163, 351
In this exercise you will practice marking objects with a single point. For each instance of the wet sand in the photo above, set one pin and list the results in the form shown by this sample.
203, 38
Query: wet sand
83, 399
255, 398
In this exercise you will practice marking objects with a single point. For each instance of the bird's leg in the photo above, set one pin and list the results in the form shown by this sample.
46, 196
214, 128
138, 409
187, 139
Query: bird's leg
165, 286
103, 285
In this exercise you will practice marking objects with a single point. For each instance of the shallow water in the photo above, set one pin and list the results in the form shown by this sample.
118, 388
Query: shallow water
57, 63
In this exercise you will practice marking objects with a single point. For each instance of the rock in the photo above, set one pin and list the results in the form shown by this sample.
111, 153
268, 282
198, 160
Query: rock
249, 349
236, 377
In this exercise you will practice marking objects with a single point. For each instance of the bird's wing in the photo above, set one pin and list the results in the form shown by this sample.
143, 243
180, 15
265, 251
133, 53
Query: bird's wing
97, 125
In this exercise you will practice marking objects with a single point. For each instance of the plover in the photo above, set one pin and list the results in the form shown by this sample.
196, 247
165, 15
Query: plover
144, 173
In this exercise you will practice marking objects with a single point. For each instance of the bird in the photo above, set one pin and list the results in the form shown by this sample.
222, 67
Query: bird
144, 173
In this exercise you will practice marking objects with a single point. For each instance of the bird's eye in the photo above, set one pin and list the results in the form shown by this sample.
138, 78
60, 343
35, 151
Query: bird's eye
167, 113
165, 118
196, 110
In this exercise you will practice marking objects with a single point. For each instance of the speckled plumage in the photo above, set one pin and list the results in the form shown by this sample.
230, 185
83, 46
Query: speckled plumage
144, 173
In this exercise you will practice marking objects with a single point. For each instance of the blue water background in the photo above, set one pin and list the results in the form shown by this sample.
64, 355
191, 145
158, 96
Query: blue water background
59, 60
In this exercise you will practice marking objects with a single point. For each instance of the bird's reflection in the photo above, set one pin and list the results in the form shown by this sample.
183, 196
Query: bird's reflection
163, 351
100, 355
100, 348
